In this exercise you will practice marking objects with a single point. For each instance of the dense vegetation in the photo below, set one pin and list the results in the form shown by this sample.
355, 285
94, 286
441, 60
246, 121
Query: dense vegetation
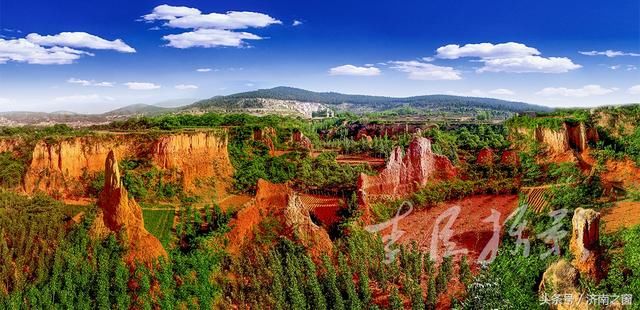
45, 265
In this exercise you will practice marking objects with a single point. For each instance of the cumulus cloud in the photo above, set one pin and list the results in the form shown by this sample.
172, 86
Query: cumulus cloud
89, 82
78, 99
486, 50
141, 86
585, 91
502, 91
168, 12
425, 71
203, 70
507, 57
634, 90
228, 21
354, 70
59, 49
80, 40
296, 23
608, 53
21, 50
209, 30
209, 38
186, 87
529, 64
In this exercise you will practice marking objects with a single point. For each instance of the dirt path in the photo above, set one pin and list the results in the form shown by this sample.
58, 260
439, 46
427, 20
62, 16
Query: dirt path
623, 214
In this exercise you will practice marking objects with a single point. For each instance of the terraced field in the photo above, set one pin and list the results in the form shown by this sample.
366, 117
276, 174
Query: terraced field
159, 223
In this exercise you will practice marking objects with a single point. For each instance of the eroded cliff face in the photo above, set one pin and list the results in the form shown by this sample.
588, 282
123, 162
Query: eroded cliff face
281, 203
568, 137
198, 157
58, 167
405, 174
266, 135
120, 214
585, 242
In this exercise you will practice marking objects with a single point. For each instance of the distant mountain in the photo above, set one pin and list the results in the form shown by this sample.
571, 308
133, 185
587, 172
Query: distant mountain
138, 109
305, 102
175, 103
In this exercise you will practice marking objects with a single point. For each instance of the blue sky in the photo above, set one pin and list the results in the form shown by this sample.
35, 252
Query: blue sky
92, 56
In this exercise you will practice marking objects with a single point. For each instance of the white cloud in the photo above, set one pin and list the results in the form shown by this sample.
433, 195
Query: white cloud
424, 71
631, 68
529, 64
615, 67
507, 57
428, 59
608, 53
354, 70
77, 99
634, 90
141, 85
168, 12
296, 23
209, 30
585, 91
502, 91
203, 70
89, 83
186, 86
21, 50
229, 21
80, 40
486, 50
210, 38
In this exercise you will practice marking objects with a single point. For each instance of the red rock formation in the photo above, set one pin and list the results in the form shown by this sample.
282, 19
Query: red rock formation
198, 156
283, 204
510, 158
485, 157
300, 140
57, 167
266, 135
404, 175
585, 242
120, 214
569, 136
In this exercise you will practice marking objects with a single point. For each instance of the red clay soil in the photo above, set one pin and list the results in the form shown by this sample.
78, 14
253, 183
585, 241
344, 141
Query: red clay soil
324, 208
468, 229
623, 214
233, 202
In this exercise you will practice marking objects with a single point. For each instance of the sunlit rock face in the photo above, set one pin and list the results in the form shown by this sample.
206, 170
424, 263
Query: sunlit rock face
585, 242
404, 174
279, 202
120, 214
57, 167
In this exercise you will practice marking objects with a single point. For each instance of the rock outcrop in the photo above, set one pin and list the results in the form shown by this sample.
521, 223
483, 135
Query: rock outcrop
300, 140
120, 214
510, 158
561, 278
266, 135
404, 174
585, 242
279, 202
198, 156
58, 167
485, 157
570, 136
